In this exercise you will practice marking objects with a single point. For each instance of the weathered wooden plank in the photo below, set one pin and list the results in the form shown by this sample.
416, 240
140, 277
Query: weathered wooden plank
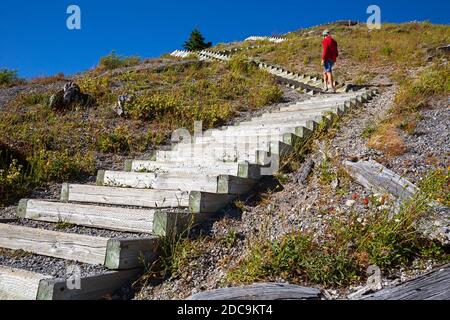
91, 288
261, 291
292, 116
235, 185
17, 284
204, 202
181, 181
130, 253
148, 198
112, 218
269, 130
163, 181
69, 246
374, 176
216, 154
243, 170
378, 178
432, 286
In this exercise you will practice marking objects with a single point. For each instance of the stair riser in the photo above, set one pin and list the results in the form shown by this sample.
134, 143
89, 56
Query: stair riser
211, 184
243, 170
115, 254
124, 196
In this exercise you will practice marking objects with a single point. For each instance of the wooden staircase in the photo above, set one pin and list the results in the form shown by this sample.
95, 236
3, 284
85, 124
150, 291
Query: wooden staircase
157, 197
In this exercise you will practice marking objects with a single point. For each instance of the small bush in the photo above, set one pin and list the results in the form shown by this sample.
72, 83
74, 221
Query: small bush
59, 166
240, 64
114, 61
114, 142
8, 77
387, 51
12, 180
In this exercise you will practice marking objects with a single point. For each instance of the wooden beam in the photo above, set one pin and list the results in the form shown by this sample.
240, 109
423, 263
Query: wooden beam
18, 284
378, 178
261, 291
148, 198
91, 288
130, 253
431, 286
434, 225
112, 218
69, 246
187, 181
113, 253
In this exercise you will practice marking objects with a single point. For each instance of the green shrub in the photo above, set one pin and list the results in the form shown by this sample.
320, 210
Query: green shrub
60, 166
8, 77
240, 64
114, 61
387, 51
12, 180
115, 142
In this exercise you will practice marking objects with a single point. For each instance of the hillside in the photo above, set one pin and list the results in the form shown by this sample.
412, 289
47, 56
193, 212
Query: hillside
319, 230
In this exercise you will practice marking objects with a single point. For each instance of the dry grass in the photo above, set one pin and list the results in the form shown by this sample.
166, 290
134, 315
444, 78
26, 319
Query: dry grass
394, 48
48, 80
388, 140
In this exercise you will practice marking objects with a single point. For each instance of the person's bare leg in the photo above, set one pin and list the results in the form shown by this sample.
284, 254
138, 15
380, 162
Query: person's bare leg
330, 76
325, 80
330, 80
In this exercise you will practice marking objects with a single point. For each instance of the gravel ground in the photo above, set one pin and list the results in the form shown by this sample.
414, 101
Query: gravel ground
302, 208
54, 267
77, 229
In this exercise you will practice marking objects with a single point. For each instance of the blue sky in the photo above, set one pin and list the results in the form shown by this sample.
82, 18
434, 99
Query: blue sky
35, 41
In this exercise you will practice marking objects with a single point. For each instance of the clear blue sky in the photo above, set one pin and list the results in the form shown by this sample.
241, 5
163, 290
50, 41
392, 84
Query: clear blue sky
35, 41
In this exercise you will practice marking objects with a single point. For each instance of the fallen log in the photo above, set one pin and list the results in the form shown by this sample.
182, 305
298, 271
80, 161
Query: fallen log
373, 176
302, 174
431, 286
261, 291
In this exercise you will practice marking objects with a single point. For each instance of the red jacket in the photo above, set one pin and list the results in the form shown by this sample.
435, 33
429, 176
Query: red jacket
330, 49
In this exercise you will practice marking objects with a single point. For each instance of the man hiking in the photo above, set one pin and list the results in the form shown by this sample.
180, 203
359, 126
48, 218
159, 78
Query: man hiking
329, 56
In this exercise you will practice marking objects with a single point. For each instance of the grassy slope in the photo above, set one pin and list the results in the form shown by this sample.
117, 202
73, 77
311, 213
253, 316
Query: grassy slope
60, 146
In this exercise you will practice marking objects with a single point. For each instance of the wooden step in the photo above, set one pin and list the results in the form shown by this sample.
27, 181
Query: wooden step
19, 284
337, 108
149, 198
224, 184
243, 169
236, 148
95, 287
293, 117
252, 137
297, 130
281, 127
103, 217
112, 253
216, 154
